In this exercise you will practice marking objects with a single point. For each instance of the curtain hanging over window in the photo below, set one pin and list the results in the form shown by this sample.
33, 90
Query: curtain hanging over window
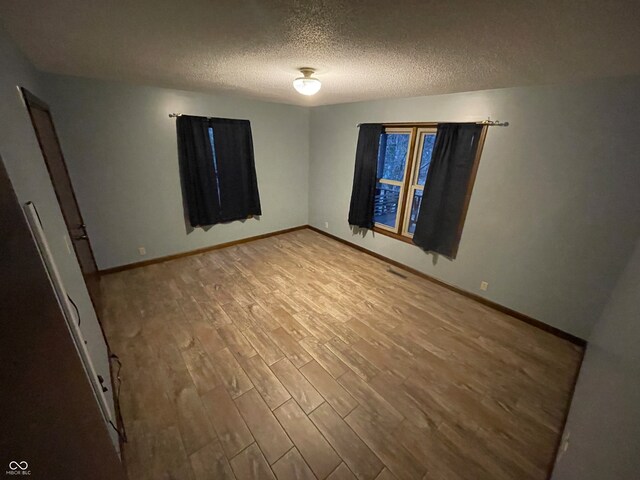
195, 153
217, 169
448, 187
233, 152
364, 177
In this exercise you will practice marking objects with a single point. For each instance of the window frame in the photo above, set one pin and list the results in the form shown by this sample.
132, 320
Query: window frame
409, 183
412, 184
397, 183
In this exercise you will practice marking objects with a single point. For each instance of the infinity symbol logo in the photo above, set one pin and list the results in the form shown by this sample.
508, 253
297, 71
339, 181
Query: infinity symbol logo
13, 465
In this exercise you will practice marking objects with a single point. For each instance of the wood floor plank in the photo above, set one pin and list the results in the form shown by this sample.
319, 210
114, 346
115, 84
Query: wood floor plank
216, 315
237, 343
216, 291
202, 372
393, 391
438, 459
210, 463
208, 337
264, 380
195, 428
342, 473
323, 356
313, 323
341, 400
353, 451
369, 399
314, 448
356, 362
292, 349
172, 370
231, 373
239, 316
232, 431
344, 333
262, 318
263, 344
250, 464
293, 467
299, 387
169, 459
269, 434
376, 435
393, 359
387, 475
369, 334
291, 325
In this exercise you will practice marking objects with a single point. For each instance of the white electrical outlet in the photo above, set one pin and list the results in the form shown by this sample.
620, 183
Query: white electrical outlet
484, 286
142, 250
326, 224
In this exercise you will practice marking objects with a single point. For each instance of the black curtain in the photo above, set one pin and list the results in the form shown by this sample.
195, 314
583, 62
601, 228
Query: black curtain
365, 175
444, 201
199, 185
233, 145
217, 169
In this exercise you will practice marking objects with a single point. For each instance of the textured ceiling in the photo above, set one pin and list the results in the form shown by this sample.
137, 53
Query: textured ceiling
361, 49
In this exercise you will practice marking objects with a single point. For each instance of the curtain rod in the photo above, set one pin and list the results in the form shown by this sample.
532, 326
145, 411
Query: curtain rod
488, 123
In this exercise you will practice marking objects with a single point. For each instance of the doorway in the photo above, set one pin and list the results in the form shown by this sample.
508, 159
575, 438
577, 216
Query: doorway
42, 122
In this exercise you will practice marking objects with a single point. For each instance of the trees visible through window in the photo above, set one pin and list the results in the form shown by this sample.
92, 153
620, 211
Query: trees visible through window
404, 156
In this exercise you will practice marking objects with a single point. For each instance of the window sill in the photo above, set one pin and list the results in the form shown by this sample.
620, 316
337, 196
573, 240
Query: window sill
397, 236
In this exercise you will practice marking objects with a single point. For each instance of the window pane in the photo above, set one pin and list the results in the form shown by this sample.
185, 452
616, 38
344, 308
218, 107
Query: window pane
386, 204
425, 159
392, 155
415, 209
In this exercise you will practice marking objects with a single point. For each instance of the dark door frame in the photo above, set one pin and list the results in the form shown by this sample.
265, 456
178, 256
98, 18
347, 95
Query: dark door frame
31, 100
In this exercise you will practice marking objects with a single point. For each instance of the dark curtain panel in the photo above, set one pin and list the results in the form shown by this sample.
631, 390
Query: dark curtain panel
444, 201
365, 176
235, 165
199, 186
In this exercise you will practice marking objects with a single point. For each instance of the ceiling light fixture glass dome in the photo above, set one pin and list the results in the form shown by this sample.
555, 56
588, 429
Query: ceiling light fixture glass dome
307, 85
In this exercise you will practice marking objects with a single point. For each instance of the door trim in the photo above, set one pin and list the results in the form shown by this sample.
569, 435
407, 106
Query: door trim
31, 100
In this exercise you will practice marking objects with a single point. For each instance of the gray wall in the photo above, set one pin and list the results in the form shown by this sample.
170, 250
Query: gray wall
30, 179
120, 147
555, 210
602, 434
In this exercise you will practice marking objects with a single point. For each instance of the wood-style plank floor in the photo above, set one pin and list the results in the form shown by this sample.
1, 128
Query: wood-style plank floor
298, 357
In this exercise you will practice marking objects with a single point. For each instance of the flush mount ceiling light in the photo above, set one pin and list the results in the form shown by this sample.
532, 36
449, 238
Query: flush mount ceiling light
307, 85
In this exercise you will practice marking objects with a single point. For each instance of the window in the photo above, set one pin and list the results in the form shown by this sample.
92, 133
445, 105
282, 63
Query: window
404, 156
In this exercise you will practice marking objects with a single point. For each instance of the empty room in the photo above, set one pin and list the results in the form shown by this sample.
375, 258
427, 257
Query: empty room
320, 240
